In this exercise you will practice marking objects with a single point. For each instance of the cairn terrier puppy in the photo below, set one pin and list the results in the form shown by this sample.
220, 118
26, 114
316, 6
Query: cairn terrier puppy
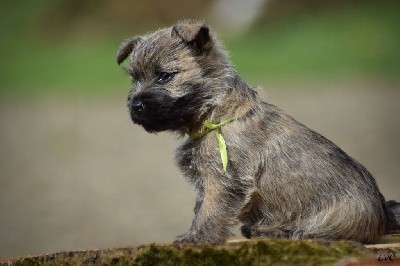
248, 160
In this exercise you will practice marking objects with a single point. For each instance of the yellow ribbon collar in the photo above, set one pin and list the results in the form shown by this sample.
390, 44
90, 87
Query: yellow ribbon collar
208, 127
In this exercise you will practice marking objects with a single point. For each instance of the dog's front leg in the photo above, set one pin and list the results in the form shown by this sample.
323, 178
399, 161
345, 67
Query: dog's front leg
217, 207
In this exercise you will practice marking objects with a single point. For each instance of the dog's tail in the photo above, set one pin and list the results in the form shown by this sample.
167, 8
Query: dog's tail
392, 217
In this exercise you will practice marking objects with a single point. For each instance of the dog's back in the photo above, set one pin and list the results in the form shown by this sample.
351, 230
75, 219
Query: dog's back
310, 187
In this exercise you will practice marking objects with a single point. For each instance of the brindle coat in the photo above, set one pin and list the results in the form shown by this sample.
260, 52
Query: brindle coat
282, 179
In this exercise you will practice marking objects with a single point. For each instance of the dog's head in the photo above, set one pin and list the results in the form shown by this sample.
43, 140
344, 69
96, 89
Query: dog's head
178, 74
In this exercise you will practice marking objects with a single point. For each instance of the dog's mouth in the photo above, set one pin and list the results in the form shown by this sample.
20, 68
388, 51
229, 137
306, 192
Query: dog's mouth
154, 115
148, 124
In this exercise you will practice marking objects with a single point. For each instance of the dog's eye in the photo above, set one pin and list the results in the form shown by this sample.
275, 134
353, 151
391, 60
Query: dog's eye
164, 77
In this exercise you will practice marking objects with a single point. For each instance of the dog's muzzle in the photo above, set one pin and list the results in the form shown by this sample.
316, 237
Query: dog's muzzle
153, 110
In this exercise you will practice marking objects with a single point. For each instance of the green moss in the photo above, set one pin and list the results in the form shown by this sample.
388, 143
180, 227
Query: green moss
252, 253
156, 256
256, 252
29, 261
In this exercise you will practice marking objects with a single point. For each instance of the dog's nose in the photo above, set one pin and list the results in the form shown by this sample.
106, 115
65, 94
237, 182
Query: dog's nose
137, 107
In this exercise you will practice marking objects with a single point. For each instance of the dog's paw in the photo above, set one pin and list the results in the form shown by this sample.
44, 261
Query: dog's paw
264, 231
196, 238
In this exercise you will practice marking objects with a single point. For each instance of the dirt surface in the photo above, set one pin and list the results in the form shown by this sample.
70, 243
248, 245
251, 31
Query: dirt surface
76, 174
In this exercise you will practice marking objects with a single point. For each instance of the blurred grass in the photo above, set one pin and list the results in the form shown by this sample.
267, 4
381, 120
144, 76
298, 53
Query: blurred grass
77, 68
359, 42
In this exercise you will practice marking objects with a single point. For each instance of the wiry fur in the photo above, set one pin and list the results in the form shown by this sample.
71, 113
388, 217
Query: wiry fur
282, 180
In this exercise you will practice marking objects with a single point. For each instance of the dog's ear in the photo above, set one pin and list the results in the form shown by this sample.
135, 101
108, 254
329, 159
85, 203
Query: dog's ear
126, 48
195, 34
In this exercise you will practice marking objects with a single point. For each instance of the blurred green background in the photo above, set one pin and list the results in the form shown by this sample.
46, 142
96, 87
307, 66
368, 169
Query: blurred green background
69, 46
74, 172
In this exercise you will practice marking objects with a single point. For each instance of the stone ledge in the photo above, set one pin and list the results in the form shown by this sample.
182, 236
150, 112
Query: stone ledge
237, 251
